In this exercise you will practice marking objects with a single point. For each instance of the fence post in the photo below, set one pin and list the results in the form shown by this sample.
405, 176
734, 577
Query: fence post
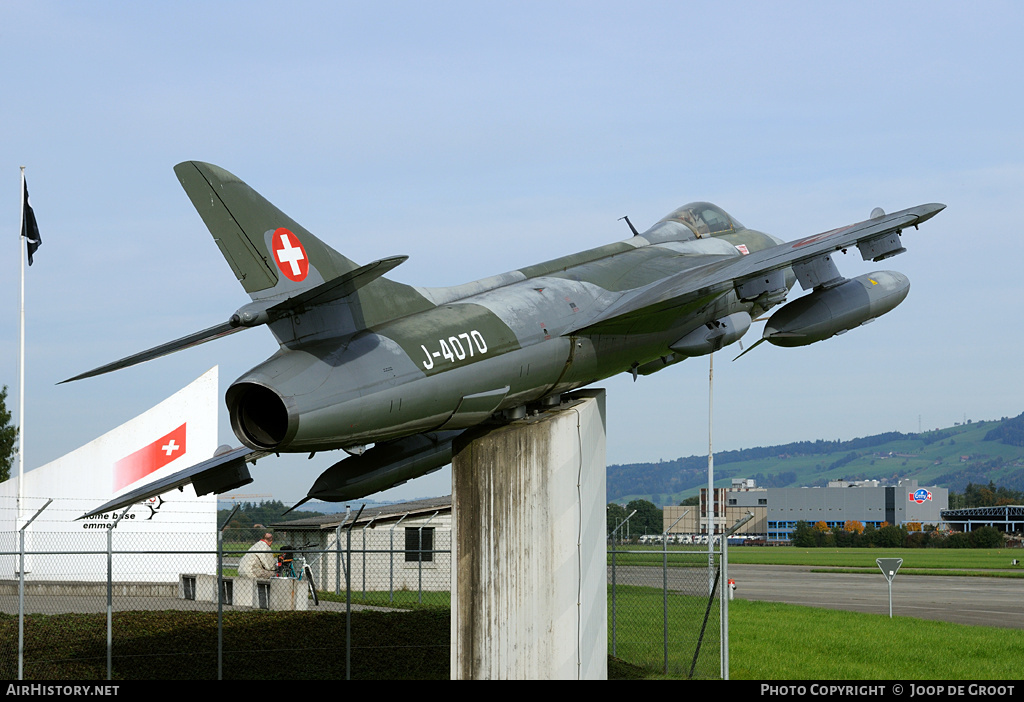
340, 566
110, 600
220, 594
614, 594
110, 592
420, 584
367, 526
723, 610
724, 607
391, 560
337, 560
664, 583
21, 603
348, 594
21, 591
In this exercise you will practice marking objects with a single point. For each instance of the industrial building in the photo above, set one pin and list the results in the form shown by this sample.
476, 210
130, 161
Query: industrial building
777, 510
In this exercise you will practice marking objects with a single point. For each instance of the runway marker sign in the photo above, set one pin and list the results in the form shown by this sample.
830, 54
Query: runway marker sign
889, 566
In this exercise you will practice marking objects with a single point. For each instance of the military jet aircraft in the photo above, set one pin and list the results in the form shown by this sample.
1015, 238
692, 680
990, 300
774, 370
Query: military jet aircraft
367, 360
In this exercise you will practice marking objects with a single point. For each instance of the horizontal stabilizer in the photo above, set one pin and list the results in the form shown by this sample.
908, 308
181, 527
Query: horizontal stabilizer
339, 288
219, 474
256, 314
200, 337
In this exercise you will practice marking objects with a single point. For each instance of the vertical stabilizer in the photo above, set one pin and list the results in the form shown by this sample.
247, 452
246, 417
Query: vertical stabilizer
276, 258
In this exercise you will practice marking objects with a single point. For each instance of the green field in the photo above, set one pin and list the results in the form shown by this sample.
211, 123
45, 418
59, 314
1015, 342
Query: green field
920, 560
770, 641
946, 558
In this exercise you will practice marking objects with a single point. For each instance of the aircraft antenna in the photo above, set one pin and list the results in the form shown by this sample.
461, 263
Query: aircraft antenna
631, 227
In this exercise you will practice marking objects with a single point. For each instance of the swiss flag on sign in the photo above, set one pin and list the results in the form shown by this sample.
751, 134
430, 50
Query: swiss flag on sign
150, 458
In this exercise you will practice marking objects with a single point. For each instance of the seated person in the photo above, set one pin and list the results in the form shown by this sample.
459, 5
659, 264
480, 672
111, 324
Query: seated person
258, 561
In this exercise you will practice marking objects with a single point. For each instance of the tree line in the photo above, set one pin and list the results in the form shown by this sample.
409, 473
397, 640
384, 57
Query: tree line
991, 495
854, 534
250, 514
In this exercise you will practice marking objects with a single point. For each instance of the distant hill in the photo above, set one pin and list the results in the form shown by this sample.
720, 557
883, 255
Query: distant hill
976, 452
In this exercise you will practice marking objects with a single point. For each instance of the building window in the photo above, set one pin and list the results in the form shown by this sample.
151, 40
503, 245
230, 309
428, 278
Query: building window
417, 550
762, 500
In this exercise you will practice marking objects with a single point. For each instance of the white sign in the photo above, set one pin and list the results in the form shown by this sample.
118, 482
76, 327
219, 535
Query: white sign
178, 432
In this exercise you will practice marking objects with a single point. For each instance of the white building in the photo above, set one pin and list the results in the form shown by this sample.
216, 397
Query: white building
405, 546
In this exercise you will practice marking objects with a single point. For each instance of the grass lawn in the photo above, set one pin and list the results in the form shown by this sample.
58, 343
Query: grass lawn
770, 641
922, 558
934, 558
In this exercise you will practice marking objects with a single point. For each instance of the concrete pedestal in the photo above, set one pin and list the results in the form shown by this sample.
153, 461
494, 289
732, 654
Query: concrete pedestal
529, 595
284, 594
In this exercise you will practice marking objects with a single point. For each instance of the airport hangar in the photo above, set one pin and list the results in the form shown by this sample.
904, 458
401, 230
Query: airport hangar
1005, 518
777, 510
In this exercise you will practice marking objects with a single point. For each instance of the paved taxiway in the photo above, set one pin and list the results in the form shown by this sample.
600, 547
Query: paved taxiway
961, 599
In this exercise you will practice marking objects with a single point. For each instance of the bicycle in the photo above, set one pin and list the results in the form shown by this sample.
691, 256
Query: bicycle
286, 568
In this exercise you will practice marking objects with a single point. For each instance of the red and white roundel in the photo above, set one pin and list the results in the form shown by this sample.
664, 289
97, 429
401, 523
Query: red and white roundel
290, 255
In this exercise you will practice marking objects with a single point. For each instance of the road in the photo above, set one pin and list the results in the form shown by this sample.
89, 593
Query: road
962, 599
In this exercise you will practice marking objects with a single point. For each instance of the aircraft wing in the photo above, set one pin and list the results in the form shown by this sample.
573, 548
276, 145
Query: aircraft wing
647, 308
224, 472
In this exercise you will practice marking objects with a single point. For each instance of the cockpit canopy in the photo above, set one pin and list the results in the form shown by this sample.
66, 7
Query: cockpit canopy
704, 219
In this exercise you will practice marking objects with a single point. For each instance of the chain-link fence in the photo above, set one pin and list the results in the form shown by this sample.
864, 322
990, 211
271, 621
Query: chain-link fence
666, 611
170, 598
95, 601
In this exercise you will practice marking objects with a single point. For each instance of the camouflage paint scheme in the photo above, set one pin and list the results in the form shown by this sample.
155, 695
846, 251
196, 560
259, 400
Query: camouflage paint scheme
364, 359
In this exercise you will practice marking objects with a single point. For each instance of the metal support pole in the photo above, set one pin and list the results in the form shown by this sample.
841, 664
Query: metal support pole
21, 603
364, 555
711, 471
110, 592
420, 585
391, 560
337, 560
726, 592
21, 591
614, 593
723, 611
220, 594
664, 584
348, 595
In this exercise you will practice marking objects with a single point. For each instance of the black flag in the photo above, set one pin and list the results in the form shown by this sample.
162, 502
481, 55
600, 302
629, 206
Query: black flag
29, 228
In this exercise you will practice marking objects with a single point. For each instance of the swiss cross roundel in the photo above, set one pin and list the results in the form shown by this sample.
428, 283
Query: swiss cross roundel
290, 255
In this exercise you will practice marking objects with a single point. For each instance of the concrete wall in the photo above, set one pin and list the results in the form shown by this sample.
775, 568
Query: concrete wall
529, 508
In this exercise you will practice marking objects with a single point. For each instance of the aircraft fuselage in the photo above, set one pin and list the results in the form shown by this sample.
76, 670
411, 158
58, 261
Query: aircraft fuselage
499, 347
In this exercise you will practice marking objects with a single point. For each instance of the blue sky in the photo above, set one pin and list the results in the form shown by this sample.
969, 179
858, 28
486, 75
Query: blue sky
477, 139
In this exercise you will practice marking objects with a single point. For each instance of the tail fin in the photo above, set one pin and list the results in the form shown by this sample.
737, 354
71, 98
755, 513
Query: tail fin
274, 257
287, 272
248, 230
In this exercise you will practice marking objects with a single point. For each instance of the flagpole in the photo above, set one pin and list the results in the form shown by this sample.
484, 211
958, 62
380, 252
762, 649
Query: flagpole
22, 254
